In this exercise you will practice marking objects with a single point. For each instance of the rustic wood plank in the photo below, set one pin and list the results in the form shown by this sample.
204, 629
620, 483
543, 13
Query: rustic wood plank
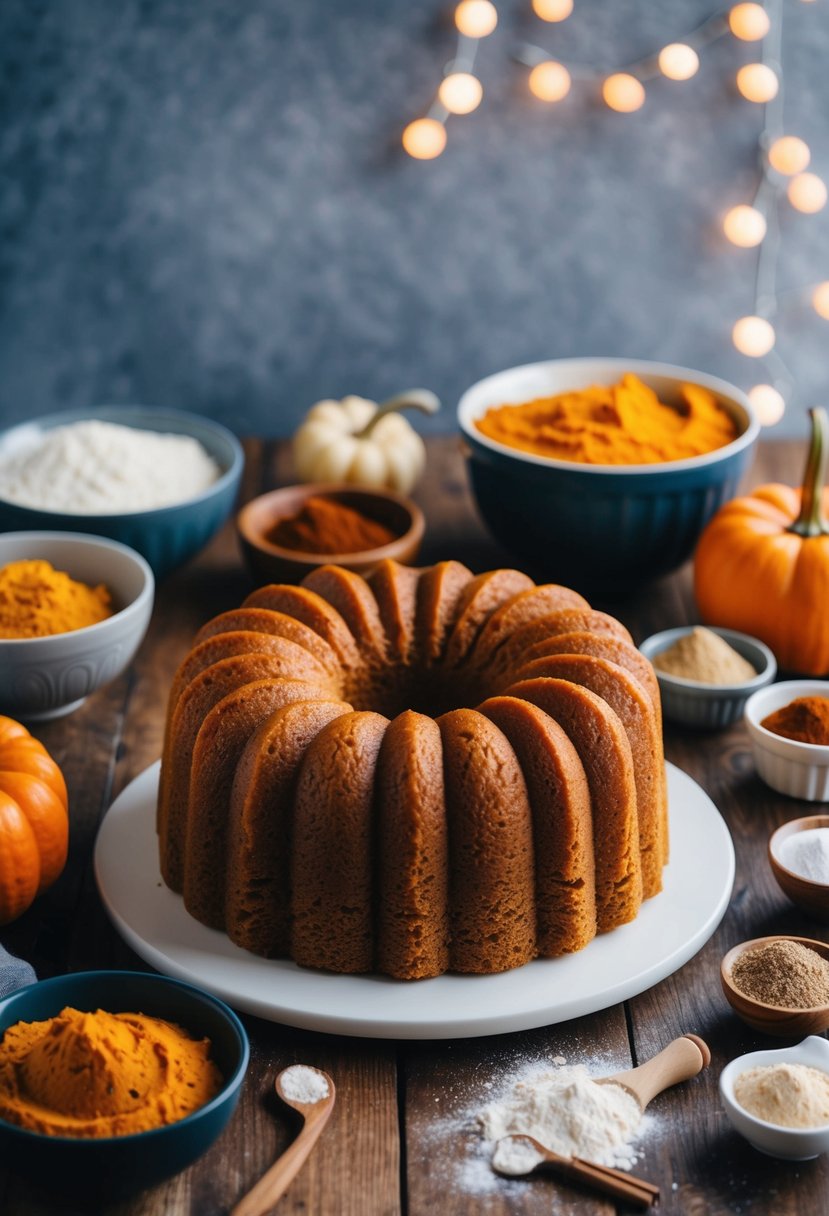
447, 1084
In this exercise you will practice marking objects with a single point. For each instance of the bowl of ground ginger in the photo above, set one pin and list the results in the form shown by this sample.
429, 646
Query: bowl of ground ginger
111, 1081
779, 1099
74, 609
706, 675
602, 473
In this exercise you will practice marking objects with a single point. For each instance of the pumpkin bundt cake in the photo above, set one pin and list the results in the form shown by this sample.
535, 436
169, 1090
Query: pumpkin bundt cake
419, 772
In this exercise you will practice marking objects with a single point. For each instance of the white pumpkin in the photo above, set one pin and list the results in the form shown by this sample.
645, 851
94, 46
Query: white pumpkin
355, 440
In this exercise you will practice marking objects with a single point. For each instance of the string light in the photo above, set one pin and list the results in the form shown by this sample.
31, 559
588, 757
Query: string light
425, 138
749, 225
553, 10
678, 61
807, 193
753, 336
757, 82
549, 81
460, 92
749, 22
623, 93
769, 404
820, 300
745, 226
476, 18
789, 155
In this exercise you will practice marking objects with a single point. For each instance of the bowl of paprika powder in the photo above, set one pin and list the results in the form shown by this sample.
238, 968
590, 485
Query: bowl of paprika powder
788, 726
289, 532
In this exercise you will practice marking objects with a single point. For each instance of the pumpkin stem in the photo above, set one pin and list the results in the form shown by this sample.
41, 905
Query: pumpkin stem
415, 398
810, 521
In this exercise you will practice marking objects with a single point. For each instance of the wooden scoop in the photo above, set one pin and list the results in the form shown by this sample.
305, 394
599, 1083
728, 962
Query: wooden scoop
598, 1177
680, 1060
273, 1184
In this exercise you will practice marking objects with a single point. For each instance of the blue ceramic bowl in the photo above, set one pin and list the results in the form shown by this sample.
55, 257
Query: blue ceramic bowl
602, 528
168, 536
120, 1165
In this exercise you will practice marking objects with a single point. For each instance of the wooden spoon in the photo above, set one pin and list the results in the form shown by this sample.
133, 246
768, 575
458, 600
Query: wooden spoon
680, 1060
273, 1184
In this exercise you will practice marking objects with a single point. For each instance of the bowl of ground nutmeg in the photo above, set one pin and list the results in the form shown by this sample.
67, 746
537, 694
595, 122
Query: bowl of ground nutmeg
706, 675
289, 532
788, 726
779, 985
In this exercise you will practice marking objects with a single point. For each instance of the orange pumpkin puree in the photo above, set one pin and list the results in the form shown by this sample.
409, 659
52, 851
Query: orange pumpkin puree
102, 1074
622, 423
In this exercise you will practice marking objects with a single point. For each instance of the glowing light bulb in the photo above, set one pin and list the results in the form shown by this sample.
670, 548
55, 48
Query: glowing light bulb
623, 93
549, 80
476, 18
553, 10
753, 336
807, 193
789, 155
460, 92
757, 82
744, 226
820, 300
678, 61
769, 405
425, 138
749, 22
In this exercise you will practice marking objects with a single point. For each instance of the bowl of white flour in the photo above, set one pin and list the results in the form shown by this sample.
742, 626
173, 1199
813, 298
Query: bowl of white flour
161, 481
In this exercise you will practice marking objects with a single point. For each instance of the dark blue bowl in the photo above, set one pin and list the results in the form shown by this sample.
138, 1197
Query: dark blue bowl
600, 528
168, 536
120, 1165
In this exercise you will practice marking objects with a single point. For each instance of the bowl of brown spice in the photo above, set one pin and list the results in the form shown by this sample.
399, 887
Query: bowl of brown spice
707, 675
289, 532
779, 985
788, 727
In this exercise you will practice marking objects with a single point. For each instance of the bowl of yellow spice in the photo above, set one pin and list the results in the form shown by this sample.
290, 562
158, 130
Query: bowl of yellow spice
601, 473
111, 1081
706, 676
73, 611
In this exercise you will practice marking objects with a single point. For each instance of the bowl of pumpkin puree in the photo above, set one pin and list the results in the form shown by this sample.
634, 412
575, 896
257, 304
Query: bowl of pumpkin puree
601, 473
111, 1081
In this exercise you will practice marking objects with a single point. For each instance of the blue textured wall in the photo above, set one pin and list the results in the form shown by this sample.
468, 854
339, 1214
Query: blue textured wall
205, 205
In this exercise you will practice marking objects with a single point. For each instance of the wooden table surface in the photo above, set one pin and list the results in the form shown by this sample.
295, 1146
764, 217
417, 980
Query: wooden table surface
399, 1140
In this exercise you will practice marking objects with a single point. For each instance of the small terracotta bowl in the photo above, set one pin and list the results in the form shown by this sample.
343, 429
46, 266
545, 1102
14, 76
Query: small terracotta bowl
271, 563
811, 896
773, 1019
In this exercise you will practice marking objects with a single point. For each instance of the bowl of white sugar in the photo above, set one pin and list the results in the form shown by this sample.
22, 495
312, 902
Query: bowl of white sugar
161, 481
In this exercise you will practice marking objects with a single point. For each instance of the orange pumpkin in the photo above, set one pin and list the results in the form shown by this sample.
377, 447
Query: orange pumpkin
34, 823
762, 564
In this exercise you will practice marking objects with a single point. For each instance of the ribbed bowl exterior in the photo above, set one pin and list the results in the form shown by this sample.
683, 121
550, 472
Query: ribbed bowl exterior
800, 770
709, 706
599, 528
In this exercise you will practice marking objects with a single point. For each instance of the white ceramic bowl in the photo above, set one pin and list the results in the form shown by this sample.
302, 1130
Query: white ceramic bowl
793, 1144
800, 770
602, 528
709, 706
43, 678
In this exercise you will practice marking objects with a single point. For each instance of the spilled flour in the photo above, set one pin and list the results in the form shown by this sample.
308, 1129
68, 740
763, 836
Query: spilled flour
570, 1113
519, 1097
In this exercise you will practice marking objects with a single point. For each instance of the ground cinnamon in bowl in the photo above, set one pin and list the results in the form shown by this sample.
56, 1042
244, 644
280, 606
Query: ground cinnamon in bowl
805, 719
325, 526
782, 973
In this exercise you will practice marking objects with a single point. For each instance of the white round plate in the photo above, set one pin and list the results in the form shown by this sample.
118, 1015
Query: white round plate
668, 931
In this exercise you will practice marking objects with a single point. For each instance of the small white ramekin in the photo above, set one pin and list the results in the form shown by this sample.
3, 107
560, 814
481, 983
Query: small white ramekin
800, 770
